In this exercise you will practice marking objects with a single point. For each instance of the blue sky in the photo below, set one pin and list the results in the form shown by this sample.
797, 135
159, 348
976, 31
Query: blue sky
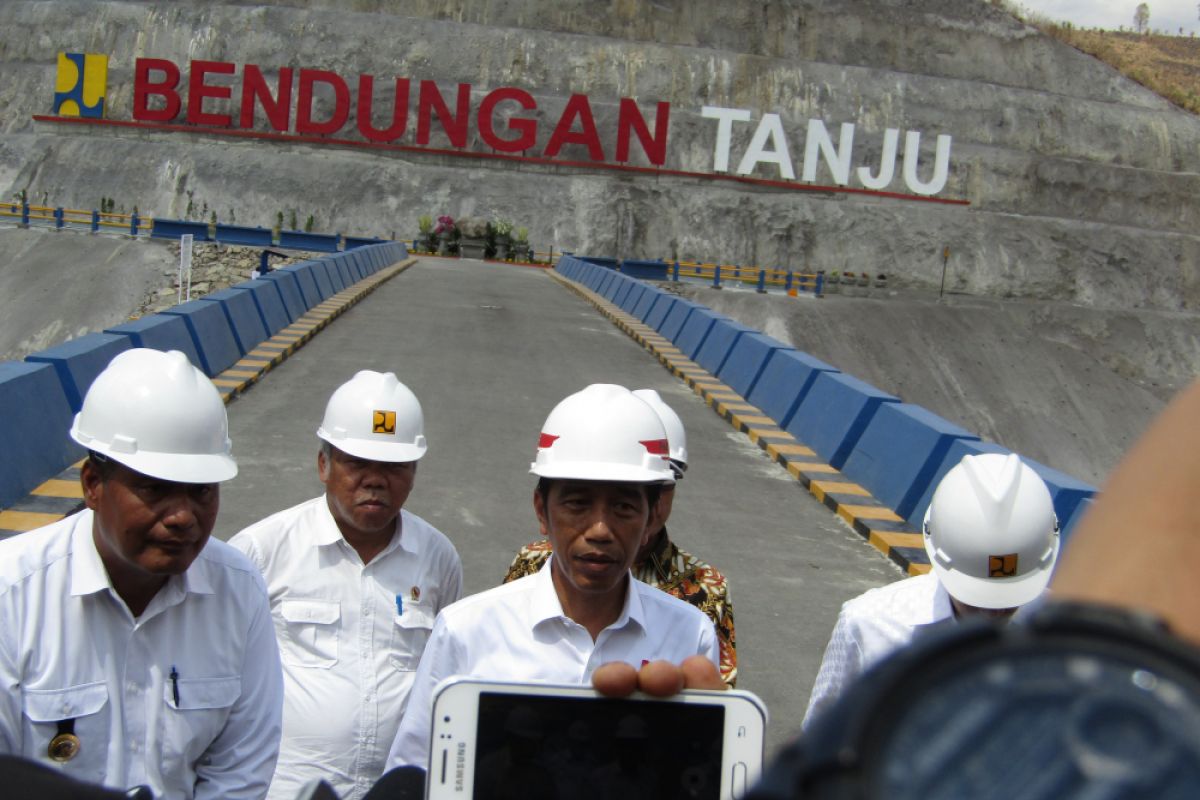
1165, 15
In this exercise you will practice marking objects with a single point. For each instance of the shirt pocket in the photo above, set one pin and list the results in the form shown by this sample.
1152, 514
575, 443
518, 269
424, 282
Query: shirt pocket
87, 705
410, 634
195, 719
309, 635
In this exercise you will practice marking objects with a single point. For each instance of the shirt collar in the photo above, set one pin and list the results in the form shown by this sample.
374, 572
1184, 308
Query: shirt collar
89, 575
546, 606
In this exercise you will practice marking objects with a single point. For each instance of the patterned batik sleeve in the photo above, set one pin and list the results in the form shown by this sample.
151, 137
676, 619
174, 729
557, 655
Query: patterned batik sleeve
530, 558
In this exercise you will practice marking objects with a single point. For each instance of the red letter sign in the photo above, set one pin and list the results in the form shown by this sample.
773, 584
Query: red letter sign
527, 128
144, 89
630, 118
278, 108
198, 90
366, 99
577, 106
341, 102
455, 126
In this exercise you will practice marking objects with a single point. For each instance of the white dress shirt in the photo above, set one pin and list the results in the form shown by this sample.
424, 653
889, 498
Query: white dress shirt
870, 627
71, 650
518, 632
351, 636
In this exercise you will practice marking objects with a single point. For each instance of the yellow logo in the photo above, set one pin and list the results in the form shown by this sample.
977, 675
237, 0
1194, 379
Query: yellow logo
1002, 566
384, 422
80, 85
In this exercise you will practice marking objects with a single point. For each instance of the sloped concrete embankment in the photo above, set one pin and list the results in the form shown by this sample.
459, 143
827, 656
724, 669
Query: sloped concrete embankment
1070, 387
1081, 183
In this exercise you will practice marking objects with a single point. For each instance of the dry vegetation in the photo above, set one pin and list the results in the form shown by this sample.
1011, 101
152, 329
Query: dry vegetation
1168, 65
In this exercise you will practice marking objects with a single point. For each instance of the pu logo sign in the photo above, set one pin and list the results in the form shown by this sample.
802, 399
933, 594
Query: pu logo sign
384, 422
80, 85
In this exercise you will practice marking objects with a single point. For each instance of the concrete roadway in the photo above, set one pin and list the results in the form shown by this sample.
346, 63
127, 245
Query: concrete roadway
489, 349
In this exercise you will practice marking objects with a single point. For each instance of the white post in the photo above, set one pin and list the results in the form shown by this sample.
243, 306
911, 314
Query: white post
185, 266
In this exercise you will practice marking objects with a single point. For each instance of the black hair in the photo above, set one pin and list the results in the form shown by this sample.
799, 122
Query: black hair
104, 466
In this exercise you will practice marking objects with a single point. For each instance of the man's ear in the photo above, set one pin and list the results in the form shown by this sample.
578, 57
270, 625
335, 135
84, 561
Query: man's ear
92, 484
654, 521
322, 466
539, 508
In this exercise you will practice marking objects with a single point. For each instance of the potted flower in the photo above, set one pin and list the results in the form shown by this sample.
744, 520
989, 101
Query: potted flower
444, 232
425, 227
503, 229
521, 247
473, 237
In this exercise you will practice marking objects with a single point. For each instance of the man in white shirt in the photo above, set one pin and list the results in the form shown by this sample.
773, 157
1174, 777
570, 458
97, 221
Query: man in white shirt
601, 460
134, 649
992, 540
355, 582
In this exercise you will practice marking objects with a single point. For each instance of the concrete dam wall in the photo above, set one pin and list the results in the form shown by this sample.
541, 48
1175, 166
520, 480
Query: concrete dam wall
1062, 180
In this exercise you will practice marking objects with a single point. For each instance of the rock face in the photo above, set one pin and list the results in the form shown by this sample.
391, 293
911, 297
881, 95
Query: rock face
1081, 185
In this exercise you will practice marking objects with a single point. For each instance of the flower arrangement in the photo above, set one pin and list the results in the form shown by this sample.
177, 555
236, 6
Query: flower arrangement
522, 235
445, 225
472, 227
503, 228
424, 224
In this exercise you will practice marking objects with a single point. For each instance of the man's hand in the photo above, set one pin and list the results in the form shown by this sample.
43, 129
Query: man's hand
658, 678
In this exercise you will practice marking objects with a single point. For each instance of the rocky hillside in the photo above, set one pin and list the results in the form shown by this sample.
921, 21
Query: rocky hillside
1079, 184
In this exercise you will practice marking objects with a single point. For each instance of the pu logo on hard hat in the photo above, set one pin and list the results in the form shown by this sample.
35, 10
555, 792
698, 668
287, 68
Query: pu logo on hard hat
384, 422
80, 85
1002, 566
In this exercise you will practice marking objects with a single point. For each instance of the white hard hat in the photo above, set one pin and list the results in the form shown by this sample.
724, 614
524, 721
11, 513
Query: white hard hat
603, 433
158, 415
676, 436
375, 416
991, 533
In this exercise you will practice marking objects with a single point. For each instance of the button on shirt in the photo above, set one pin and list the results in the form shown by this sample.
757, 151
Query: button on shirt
518, 632
71, 650
870, 627
351, 636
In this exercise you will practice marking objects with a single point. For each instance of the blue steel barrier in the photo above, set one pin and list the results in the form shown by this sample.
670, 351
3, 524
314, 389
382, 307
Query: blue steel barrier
175, 229
212, 334
834, 415
619, 285
352, 242
303, 240
747, 359
899, 453
342, 265
645, 270
676, 318
160, 332
244, 234
719, 342
33, 427
243, 316
785, 382
268, 299
601, 261
79, 361
356, 269
695, 330
290, 292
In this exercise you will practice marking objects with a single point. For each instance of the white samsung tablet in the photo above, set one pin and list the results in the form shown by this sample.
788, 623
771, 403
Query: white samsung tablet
494, 740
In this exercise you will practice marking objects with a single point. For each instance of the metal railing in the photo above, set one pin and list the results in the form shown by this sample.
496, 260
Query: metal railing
74, 218
759, 277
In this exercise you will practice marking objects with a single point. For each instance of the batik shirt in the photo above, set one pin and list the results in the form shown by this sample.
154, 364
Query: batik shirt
677, 573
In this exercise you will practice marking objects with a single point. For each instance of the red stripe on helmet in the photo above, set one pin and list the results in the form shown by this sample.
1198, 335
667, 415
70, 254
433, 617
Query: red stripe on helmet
657, 447
545, 440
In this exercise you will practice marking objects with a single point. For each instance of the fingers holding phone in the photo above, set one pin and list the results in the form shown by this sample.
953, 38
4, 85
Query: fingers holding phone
657, 678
